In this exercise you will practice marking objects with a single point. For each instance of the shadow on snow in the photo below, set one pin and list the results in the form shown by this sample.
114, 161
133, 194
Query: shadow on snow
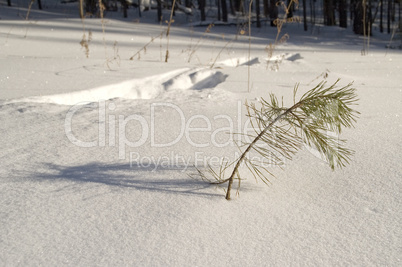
151, 178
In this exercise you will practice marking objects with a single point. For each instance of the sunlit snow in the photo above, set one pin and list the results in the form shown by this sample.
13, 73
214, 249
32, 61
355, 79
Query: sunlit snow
97, 152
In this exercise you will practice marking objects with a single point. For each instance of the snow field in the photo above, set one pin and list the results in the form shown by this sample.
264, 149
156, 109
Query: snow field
124, 197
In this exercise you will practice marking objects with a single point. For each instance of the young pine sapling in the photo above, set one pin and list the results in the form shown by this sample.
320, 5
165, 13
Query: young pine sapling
280, 131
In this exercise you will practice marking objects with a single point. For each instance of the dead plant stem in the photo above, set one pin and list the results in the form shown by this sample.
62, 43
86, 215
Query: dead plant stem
168, 31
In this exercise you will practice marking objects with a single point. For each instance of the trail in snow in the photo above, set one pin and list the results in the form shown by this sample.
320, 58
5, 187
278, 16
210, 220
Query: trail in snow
145, 88
284, 56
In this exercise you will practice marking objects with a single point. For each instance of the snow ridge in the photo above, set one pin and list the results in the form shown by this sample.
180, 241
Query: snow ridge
145, 88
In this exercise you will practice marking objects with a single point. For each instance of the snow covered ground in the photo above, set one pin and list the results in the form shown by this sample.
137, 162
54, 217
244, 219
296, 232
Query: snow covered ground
96, 151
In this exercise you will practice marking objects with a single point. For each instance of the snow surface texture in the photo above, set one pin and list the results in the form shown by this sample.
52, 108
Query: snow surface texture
146, 88
105, 182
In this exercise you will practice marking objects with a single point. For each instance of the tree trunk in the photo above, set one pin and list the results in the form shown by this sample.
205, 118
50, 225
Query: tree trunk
290, 8
304, 15
125, 6
201, 6
343, 14
381, 15
312, 8
257, 11
329, 13
273, 12
358, 26
369, 19
362, 18
219, 9
393, 11
90, 6
224, 11
232, 8
159, 10
399, 15
237, 4
389, 16
266, 8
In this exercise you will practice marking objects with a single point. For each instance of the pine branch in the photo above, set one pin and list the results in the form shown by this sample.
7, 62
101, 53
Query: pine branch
282, 131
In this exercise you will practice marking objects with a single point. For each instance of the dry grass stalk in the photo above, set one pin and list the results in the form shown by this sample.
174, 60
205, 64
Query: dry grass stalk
144, 48
168, 31
86, 40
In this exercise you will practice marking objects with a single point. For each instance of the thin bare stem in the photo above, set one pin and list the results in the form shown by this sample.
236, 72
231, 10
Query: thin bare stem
249, 45
168, 31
